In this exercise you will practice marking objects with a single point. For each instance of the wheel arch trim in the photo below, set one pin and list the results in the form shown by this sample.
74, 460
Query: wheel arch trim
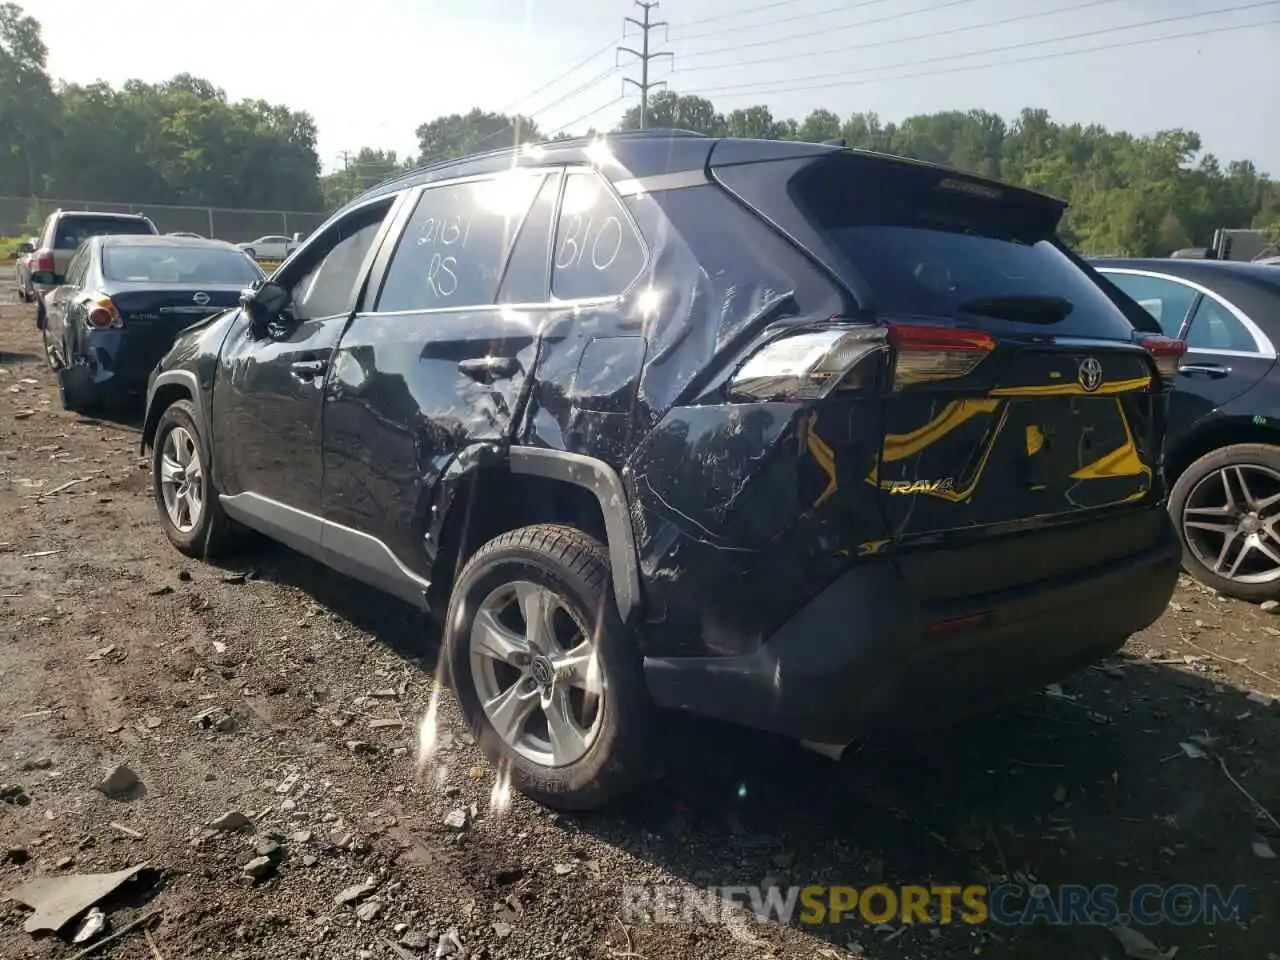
172, 378
604, 483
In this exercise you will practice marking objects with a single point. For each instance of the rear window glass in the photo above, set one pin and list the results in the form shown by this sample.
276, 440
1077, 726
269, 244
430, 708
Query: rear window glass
159, 264
72, 231
926, 243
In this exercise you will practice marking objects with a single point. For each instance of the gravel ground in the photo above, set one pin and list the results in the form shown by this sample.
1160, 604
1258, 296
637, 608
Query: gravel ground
275, 689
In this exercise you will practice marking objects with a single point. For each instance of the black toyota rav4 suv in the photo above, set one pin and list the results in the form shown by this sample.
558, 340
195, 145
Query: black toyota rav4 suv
808, 439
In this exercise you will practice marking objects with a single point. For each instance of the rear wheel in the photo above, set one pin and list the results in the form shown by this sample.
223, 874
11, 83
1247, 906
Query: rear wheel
1227, 508
190, 512
547, 676
75, 388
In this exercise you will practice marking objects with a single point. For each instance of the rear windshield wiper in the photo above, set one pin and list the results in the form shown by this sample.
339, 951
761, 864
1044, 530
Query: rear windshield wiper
1029, 308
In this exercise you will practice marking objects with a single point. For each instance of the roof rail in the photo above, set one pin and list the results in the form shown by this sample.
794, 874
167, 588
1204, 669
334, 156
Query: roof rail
654, 132
416, 171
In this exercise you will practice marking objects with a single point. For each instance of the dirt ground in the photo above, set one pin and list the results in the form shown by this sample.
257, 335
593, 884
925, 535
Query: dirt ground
258, 688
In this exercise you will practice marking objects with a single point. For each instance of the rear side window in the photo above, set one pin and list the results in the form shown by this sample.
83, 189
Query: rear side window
598, 252
1214, 327
926, 243
526, 277
454, 248
72, 231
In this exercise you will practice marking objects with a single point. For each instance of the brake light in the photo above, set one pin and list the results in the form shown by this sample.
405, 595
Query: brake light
811, 364
103, 314
1167, 353
44, 261
923, 353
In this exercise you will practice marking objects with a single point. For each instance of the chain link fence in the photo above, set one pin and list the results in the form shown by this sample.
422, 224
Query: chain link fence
23, 217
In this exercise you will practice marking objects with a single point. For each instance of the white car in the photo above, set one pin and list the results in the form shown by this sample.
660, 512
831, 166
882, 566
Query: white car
269, 248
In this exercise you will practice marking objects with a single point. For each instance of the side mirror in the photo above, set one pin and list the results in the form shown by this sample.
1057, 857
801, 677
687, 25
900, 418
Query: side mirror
264, 302
47, 278
26, 246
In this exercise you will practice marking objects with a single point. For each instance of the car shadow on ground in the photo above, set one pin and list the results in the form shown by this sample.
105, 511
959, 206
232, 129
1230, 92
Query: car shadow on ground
1093, 786
1123, 776
397, 624
126, 415
7, 357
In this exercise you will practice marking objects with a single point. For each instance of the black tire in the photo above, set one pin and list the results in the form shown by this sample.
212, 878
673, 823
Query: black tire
1261, 455
76, 390
576, 568
214, 532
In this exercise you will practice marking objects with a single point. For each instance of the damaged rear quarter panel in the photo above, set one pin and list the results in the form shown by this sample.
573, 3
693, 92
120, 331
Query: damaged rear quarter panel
736, 508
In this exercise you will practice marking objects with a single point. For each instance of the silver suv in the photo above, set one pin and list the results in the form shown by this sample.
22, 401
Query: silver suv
63, 232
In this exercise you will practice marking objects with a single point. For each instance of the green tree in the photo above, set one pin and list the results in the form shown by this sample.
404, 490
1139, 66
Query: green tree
670, 109
459, 134
820, 125
28, 105
367, 168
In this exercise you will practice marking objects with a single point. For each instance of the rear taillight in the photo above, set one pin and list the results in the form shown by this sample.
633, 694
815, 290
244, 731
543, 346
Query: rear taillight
811, 364
923, 353
44, 261
102, 314
1166, 352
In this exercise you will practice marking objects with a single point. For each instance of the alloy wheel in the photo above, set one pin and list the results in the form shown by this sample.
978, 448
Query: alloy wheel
1230, 522
182, 480
537, 675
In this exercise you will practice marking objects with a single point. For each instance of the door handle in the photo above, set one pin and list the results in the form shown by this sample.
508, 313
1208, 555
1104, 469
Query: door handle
1204, 370
307, 369
488, 368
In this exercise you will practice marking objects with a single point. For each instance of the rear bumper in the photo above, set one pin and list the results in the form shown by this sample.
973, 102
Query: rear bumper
120, 362
864, 654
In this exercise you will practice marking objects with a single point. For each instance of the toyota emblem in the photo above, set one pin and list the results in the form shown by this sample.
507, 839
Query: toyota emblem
1090, 375
201, 298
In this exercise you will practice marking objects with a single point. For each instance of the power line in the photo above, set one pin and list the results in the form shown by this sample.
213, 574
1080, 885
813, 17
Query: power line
843, 8
1017, 46
592, 113
586, 85
646, 26
556, 79
775, 88
739, 13
554, 103
933, 34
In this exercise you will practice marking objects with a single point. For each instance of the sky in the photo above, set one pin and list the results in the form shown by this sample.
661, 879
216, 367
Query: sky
371, 72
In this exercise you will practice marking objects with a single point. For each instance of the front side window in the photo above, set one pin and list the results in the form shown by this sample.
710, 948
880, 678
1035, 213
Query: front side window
1166, 300
455, 246
598, 252
334, 265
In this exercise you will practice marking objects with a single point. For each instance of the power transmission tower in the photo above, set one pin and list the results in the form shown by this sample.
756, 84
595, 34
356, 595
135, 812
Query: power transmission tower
644, 55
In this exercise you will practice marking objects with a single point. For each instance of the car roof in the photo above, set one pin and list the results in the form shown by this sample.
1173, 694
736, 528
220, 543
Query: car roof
640, 153
1253, 287
100, 215
160, 240
1207, 272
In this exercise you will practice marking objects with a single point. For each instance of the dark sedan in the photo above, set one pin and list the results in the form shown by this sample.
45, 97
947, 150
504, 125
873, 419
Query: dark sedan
1222, 453
122, 302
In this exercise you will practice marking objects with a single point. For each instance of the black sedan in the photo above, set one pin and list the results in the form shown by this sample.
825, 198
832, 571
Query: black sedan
122, 302
1222, 454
